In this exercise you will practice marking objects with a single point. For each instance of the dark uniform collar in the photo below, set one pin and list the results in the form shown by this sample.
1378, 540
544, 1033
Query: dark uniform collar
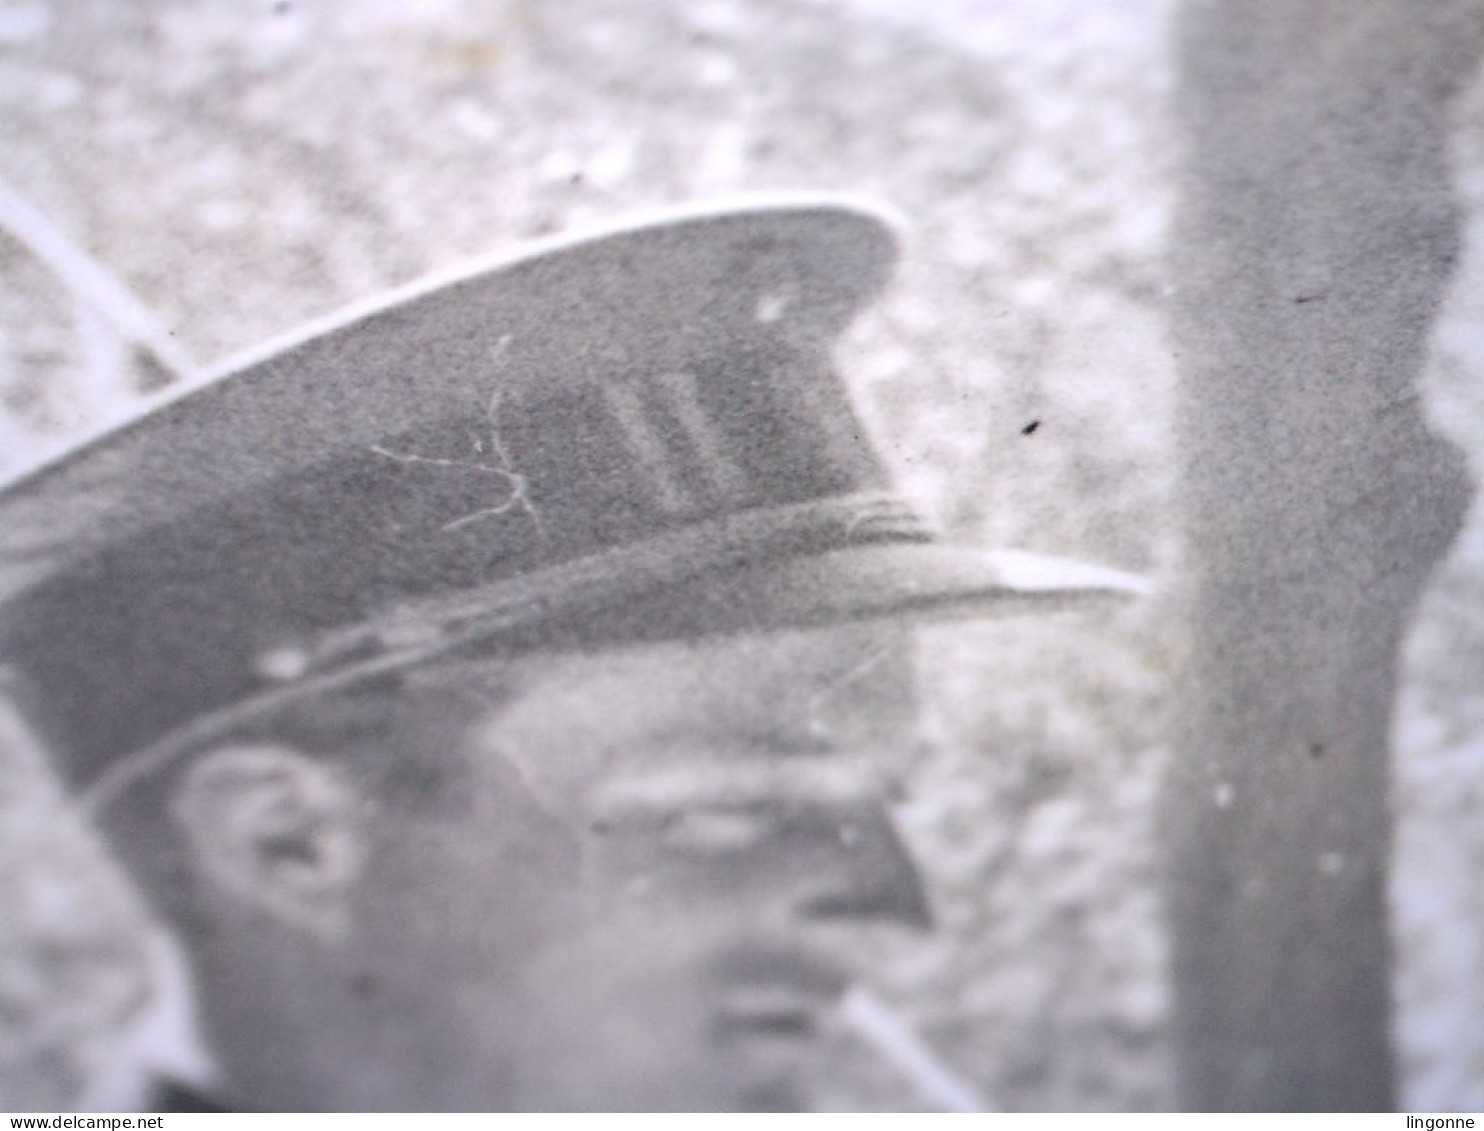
169, 1096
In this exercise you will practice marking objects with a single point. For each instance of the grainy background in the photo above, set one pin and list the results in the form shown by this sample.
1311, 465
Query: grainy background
245, 167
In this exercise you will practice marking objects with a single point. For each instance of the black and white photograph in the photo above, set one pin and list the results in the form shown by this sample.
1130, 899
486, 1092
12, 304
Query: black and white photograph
773, 556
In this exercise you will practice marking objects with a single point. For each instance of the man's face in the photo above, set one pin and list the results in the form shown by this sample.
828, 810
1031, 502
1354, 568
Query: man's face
702, 843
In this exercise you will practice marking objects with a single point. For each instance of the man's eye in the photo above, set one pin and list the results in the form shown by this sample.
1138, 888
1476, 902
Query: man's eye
716, 830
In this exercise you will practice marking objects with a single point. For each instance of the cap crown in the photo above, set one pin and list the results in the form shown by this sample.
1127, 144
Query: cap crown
590, 396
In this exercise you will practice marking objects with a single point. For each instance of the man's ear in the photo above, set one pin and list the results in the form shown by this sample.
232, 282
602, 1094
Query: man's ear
276, 829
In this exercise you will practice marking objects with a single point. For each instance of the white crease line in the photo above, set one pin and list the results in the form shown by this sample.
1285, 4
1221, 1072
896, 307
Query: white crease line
884, 1031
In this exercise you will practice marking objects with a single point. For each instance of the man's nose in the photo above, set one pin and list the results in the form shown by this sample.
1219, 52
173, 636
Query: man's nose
870, 877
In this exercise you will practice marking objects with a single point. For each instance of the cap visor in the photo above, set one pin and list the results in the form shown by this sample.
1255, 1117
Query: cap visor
916, 582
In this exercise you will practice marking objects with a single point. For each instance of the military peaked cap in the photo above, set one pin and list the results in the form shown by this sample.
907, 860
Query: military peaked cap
631, 436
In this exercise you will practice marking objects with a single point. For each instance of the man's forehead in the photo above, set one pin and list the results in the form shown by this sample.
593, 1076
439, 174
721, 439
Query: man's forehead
786, 696
780, 671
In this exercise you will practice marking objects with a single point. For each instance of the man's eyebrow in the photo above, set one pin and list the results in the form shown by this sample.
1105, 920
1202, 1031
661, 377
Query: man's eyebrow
844, 782
771, 740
